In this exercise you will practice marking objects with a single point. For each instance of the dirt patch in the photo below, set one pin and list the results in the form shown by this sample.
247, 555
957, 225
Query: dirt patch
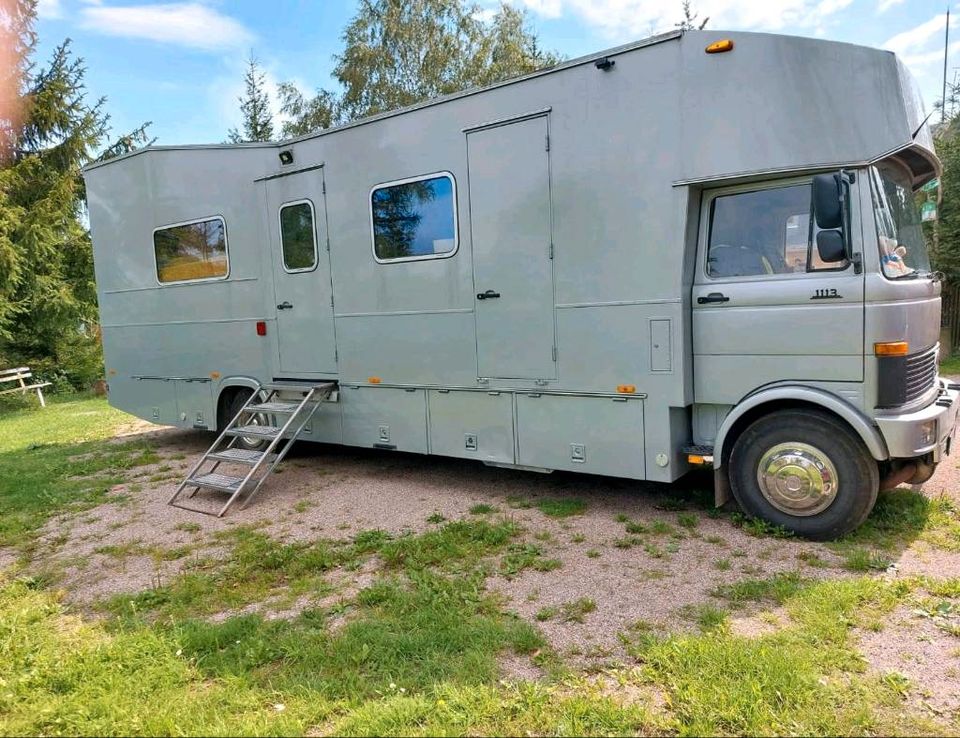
914, 647
516, 667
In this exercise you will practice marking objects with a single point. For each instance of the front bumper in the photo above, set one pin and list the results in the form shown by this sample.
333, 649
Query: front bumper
909, 436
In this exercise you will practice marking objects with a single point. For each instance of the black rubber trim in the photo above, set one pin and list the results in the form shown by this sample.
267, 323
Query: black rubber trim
891, 381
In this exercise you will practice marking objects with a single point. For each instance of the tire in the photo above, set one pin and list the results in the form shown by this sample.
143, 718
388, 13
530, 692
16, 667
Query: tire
802, 450
238, 400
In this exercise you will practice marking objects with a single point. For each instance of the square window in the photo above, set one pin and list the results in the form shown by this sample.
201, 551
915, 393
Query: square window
414, 218
191, 251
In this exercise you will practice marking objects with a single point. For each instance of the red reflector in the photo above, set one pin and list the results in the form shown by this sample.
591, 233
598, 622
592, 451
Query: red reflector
261, 327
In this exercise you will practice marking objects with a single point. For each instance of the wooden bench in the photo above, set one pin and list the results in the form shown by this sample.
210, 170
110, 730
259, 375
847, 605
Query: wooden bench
20, 376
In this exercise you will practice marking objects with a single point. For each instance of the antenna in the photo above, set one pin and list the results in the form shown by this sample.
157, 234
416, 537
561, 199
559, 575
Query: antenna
946, 48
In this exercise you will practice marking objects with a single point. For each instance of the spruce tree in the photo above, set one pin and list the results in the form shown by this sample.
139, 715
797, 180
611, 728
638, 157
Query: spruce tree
50, 129
255, 107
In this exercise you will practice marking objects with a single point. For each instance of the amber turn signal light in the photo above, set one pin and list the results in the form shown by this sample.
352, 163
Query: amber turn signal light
893, 348
373, 380
626, 389
718, 47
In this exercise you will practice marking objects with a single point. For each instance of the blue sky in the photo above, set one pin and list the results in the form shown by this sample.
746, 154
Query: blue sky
180, 64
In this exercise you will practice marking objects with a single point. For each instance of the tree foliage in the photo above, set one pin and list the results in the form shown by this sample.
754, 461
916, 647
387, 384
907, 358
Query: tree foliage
401, 52
944, 234
255, 106
50, 129
691, 20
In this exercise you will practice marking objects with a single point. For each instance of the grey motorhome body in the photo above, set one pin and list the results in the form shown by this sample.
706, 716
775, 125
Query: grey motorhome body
604, 266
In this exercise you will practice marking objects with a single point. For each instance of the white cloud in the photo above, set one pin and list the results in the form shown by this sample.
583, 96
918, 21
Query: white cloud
188, 24
917, 37
628, 18
49, 9
885, 5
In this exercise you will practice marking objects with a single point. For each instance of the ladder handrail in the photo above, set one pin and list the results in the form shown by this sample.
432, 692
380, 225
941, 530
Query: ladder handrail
203, 458
268, 450
283, 452
287, 433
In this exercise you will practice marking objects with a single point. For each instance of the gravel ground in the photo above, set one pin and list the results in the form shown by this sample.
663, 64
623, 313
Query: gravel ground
335, 492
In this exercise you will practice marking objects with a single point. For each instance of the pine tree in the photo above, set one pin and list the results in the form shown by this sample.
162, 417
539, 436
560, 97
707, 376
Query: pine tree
255, 107
50, 129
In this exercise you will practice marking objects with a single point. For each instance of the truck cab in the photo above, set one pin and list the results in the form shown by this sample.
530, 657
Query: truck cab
815, 343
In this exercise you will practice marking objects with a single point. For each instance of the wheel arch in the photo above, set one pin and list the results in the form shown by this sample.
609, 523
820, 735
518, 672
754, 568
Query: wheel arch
228, 389
784, 397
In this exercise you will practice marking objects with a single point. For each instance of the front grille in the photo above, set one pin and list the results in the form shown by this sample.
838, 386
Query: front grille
903, 379
921, 373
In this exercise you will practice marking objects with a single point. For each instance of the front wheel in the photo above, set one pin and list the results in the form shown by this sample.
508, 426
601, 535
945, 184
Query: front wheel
806, 471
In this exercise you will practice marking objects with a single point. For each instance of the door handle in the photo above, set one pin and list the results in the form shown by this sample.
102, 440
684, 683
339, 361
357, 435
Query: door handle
284, 306
713, 297
488, 295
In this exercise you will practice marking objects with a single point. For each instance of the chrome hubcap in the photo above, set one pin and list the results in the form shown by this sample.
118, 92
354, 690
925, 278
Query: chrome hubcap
797, 478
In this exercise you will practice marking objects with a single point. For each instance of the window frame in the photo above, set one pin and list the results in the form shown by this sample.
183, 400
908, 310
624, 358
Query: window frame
200, 280
313, 221
712, 195
409, 180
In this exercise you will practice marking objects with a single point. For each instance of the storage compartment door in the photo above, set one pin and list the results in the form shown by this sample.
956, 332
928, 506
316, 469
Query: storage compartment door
472, 425
195, 403
599, 435
384, 417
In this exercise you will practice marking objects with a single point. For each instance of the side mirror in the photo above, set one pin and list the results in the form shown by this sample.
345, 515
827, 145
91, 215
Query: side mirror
830, 246
827, 201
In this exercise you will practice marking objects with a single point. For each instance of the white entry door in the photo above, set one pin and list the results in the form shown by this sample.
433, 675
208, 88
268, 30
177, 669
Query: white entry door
301, 269
512, 260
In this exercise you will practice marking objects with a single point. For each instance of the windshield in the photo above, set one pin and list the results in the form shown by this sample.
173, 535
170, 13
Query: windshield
903, 250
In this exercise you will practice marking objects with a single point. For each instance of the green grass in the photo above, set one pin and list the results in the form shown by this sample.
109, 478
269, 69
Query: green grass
778, 589
577, 611
902, 516
48, 457
951, 365
804, 679
563, 507
418, 651
483, 509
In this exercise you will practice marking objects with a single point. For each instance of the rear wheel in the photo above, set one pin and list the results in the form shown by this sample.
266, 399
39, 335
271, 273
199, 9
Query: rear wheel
239, 399
806, 471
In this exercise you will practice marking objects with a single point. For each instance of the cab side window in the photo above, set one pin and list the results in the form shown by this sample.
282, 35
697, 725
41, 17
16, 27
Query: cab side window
748, 232
764, 232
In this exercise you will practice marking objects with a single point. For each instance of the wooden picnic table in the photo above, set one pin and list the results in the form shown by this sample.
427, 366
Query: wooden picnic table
21, 376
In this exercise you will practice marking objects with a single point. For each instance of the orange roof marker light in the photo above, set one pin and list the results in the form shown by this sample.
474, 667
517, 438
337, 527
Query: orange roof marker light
373, 380
718, 47
895, 348
626, 389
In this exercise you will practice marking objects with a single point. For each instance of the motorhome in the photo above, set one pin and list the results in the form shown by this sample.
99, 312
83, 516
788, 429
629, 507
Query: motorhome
702, 248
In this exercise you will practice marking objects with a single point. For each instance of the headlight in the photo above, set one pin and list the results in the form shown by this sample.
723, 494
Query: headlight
928, 433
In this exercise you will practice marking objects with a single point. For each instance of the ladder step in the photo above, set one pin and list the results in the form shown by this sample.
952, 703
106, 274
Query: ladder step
320, 387
222, 482
260, 431
240, 456
274, 407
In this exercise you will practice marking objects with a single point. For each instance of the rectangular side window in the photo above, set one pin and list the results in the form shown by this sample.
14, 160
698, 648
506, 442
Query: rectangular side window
414, 218
298, 238
764, 232
191, 251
